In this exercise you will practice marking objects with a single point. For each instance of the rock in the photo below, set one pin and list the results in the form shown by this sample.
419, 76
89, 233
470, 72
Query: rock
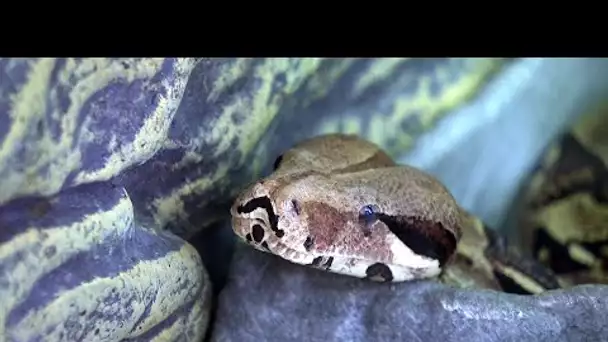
270, 299
79, 266
76, 260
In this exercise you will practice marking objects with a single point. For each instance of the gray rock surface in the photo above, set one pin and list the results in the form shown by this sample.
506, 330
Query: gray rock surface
270, 299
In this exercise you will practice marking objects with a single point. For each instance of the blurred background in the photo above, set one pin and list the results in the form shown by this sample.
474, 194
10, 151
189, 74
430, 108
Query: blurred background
485, 150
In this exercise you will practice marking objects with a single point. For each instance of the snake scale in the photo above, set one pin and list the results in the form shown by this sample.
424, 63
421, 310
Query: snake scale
564, 224
339, 203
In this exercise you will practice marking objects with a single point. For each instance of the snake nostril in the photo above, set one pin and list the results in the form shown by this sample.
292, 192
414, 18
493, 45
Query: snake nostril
257, 233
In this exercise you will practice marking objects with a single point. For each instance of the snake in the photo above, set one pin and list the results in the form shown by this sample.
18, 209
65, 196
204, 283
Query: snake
340, 204
563, 221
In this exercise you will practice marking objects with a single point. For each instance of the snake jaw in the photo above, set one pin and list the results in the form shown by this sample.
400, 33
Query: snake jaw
294, 221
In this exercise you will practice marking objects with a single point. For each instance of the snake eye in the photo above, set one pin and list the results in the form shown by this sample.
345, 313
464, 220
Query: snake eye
368, 214
367, 211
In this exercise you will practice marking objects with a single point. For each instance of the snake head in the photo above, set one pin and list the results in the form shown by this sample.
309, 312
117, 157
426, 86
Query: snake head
391, 223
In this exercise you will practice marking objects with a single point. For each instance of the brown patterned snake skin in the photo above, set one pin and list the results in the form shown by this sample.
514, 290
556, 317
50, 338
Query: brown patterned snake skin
565, 224
339, 203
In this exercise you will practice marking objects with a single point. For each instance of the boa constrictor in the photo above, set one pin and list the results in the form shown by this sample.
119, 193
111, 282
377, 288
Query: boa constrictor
339, 203
565, 218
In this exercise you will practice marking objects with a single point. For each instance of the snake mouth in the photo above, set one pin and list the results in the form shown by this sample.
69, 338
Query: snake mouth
350, 265
255, 232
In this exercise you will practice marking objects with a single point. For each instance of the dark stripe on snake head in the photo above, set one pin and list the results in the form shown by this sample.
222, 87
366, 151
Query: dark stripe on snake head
263, 202
379, 272
277, 162
423, 237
